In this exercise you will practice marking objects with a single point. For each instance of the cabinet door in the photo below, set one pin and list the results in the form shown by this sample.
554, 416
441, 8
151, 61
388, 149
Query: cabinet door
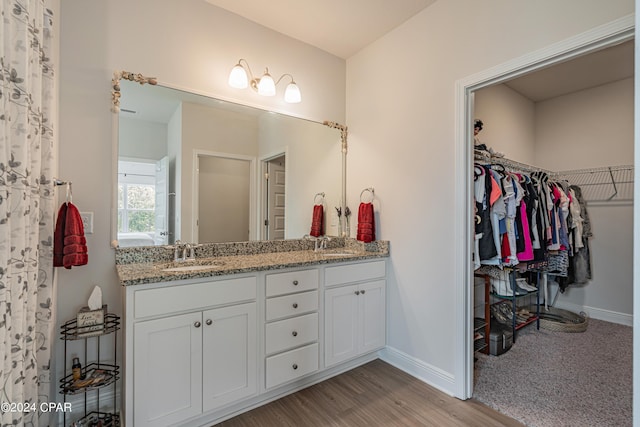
167, 360
372, 316
341, 324
229, 355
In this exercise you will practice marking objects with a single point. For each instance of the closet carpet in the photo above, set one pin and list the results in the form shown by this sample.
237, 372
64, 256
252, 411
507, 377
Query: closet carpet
551, 379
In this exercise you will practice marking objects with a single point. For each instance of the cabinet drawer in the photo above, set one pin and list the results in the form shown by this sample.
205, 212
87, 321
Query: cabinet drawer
354, 272
173, 299
291, 365
290, 305
293, 281
289, 333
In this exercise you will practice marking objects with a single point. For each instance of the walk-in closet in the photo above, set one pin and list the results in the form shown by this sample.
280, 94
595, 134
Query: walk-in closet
573, 123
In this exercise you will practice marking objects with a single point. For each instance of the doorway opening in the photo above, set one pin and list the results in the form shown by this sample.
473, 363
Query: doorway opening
599, 38
273, 202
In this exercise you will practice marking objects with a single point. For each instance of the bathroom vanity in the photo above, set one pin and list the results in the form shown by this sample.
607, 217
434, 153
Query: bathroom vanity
245, 324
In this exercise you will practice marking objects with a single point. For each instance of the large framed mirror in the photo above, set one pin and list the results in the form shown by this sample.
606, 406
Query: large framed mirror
203, 170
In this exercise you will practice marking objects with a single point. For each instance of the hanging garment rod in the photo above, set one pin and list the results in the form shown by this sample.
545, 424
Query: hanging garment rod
511, 165
601, 184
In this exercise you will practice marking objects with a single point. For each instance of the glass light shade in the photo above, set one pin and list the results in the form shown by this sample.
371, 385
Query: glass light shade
267, 87
238, 77
292, 94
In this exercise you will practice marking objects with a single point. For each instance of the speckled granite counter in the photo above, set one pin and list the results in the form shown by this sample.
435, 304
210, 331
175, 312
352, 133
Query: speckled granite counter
137, 266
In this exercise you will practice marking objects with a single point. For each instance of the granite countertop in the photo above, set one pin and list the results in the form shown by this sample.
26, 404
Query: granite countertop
153, 271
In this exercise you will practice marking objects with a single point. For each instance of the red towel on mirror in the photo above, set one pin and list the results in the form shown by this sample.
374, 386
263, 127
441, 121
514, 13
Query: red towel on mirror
69, 243
317, 221
366, 224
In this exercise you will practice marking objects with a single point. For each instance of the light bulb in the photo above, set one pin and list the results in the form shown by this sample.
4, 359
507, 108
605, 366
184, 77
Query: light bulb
292, 93
238, 77
267, 87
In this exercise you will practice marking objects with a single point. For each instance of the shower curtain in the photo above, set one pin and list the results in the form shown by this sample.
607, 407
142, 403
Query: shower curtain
27, 110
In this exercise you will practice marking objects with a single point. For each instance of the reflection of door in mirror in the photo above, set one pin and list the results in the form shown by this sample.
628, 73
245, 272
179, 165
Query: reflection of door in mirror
224, 199
142, 202
275, 213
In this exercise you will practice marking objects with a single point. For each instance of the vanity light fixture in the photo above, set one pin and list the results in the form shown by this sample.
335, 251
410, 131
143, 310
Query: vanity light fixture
265, 85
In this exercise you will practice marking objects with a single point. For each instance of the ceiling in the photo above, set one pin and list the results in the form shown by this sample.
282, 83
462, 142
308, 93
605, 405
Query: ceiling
339, 27
587, 71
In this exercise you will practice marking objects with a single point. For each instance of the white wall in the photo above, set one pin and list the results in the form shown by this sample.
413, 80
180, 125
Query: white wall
185, 44
402, 143
509, 122
586, 129
216, 130
142, 139
313, 165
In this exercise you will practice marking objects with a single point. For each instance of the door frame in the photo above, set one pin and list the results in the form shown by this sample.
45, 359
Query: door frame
603, 36
195, 205
262, 189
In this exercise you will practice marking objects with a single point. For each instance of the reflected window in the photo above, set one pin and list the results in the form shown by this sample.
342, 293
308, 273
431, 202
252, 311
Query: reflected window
136, 197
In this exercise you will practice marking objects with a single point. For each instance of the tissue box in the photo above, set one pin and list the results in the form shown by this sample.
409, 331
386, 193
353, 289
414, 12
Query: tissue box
91, 321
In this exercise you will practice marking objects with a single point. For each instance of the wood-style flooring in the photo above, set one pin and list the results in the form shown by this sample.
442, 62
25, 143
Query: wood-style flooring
375, 394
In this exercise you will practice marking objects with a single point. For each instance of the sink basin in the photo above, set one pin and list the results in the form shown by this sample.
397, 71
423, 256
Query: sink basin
193, 267
338, 254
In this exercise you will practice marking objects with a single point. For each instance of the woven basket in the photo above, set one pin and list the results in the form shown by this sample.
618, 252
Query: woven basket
559, 320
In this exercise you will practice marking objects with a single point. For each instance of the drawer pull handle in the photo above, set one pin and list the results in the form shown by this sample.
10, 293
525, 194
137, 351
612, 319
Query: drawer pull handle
295, 366
209, 322
362, 292
295, 305
295, 283
294, 333
357, 292
197, 324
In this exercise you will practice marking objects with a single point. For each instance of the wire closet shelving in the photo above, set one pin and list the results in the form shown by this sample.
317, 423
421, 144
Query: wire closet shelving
601, 184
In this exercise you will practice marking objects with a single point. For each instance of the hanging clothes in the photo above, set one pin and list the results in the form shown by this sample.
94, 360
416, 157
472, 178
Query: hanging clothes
523, 218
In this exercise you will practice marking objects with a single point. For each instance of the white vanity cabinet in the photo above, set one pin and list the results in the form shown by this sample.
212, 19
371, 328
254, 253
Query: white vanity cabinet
190, 349
354, 310
291, 327
202, 350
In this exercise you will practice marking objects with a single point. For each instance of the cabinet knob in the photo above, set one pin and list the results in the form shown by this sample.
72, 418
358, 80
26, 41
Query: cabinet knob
362, 292
295, 283
295, 366
209, 322
357, 292
294, 333
295, 305
197, 324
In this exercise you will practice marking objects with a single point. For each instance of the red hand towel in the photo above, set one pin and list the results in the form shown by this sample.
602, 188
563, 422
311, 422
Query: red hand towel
317, 221
58, 236
366, 224
75, 248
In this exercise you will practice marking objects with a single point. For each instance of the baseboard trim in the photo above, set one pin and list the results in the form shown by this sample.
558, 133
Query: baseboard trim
598, 313
435, 377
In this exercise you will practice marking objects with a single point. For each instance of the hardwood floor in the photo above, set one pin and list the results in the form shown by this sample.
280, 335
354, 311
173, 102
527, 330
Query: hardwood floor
375, 394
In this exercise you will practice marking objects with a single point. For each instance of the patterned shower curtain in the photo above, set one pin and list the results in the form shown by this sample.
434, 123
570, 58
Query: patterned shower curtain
27, 107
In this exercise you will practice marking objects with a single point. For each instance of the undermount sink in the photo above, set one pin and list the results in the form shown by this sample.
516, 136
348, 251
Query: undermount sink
193, 267
338, 254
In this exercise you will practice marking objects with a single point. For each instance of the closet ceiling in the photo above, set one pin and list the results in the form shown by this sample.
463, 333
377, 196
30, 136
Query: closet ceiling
339, 27
595, 69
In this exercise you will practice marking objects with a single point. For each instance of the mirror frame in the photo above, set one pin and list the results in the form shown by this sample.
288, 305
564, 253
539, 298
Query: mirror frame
142, 80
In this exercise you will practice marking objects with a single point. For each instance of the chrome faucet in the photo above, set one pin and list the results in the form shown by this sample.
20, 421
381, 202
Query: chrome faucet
323, 241
183, 251
319, 243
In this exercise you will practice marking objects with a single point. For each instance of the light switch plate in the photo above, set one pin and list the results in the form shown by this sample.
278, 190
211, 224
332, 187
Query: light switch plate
87, 222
